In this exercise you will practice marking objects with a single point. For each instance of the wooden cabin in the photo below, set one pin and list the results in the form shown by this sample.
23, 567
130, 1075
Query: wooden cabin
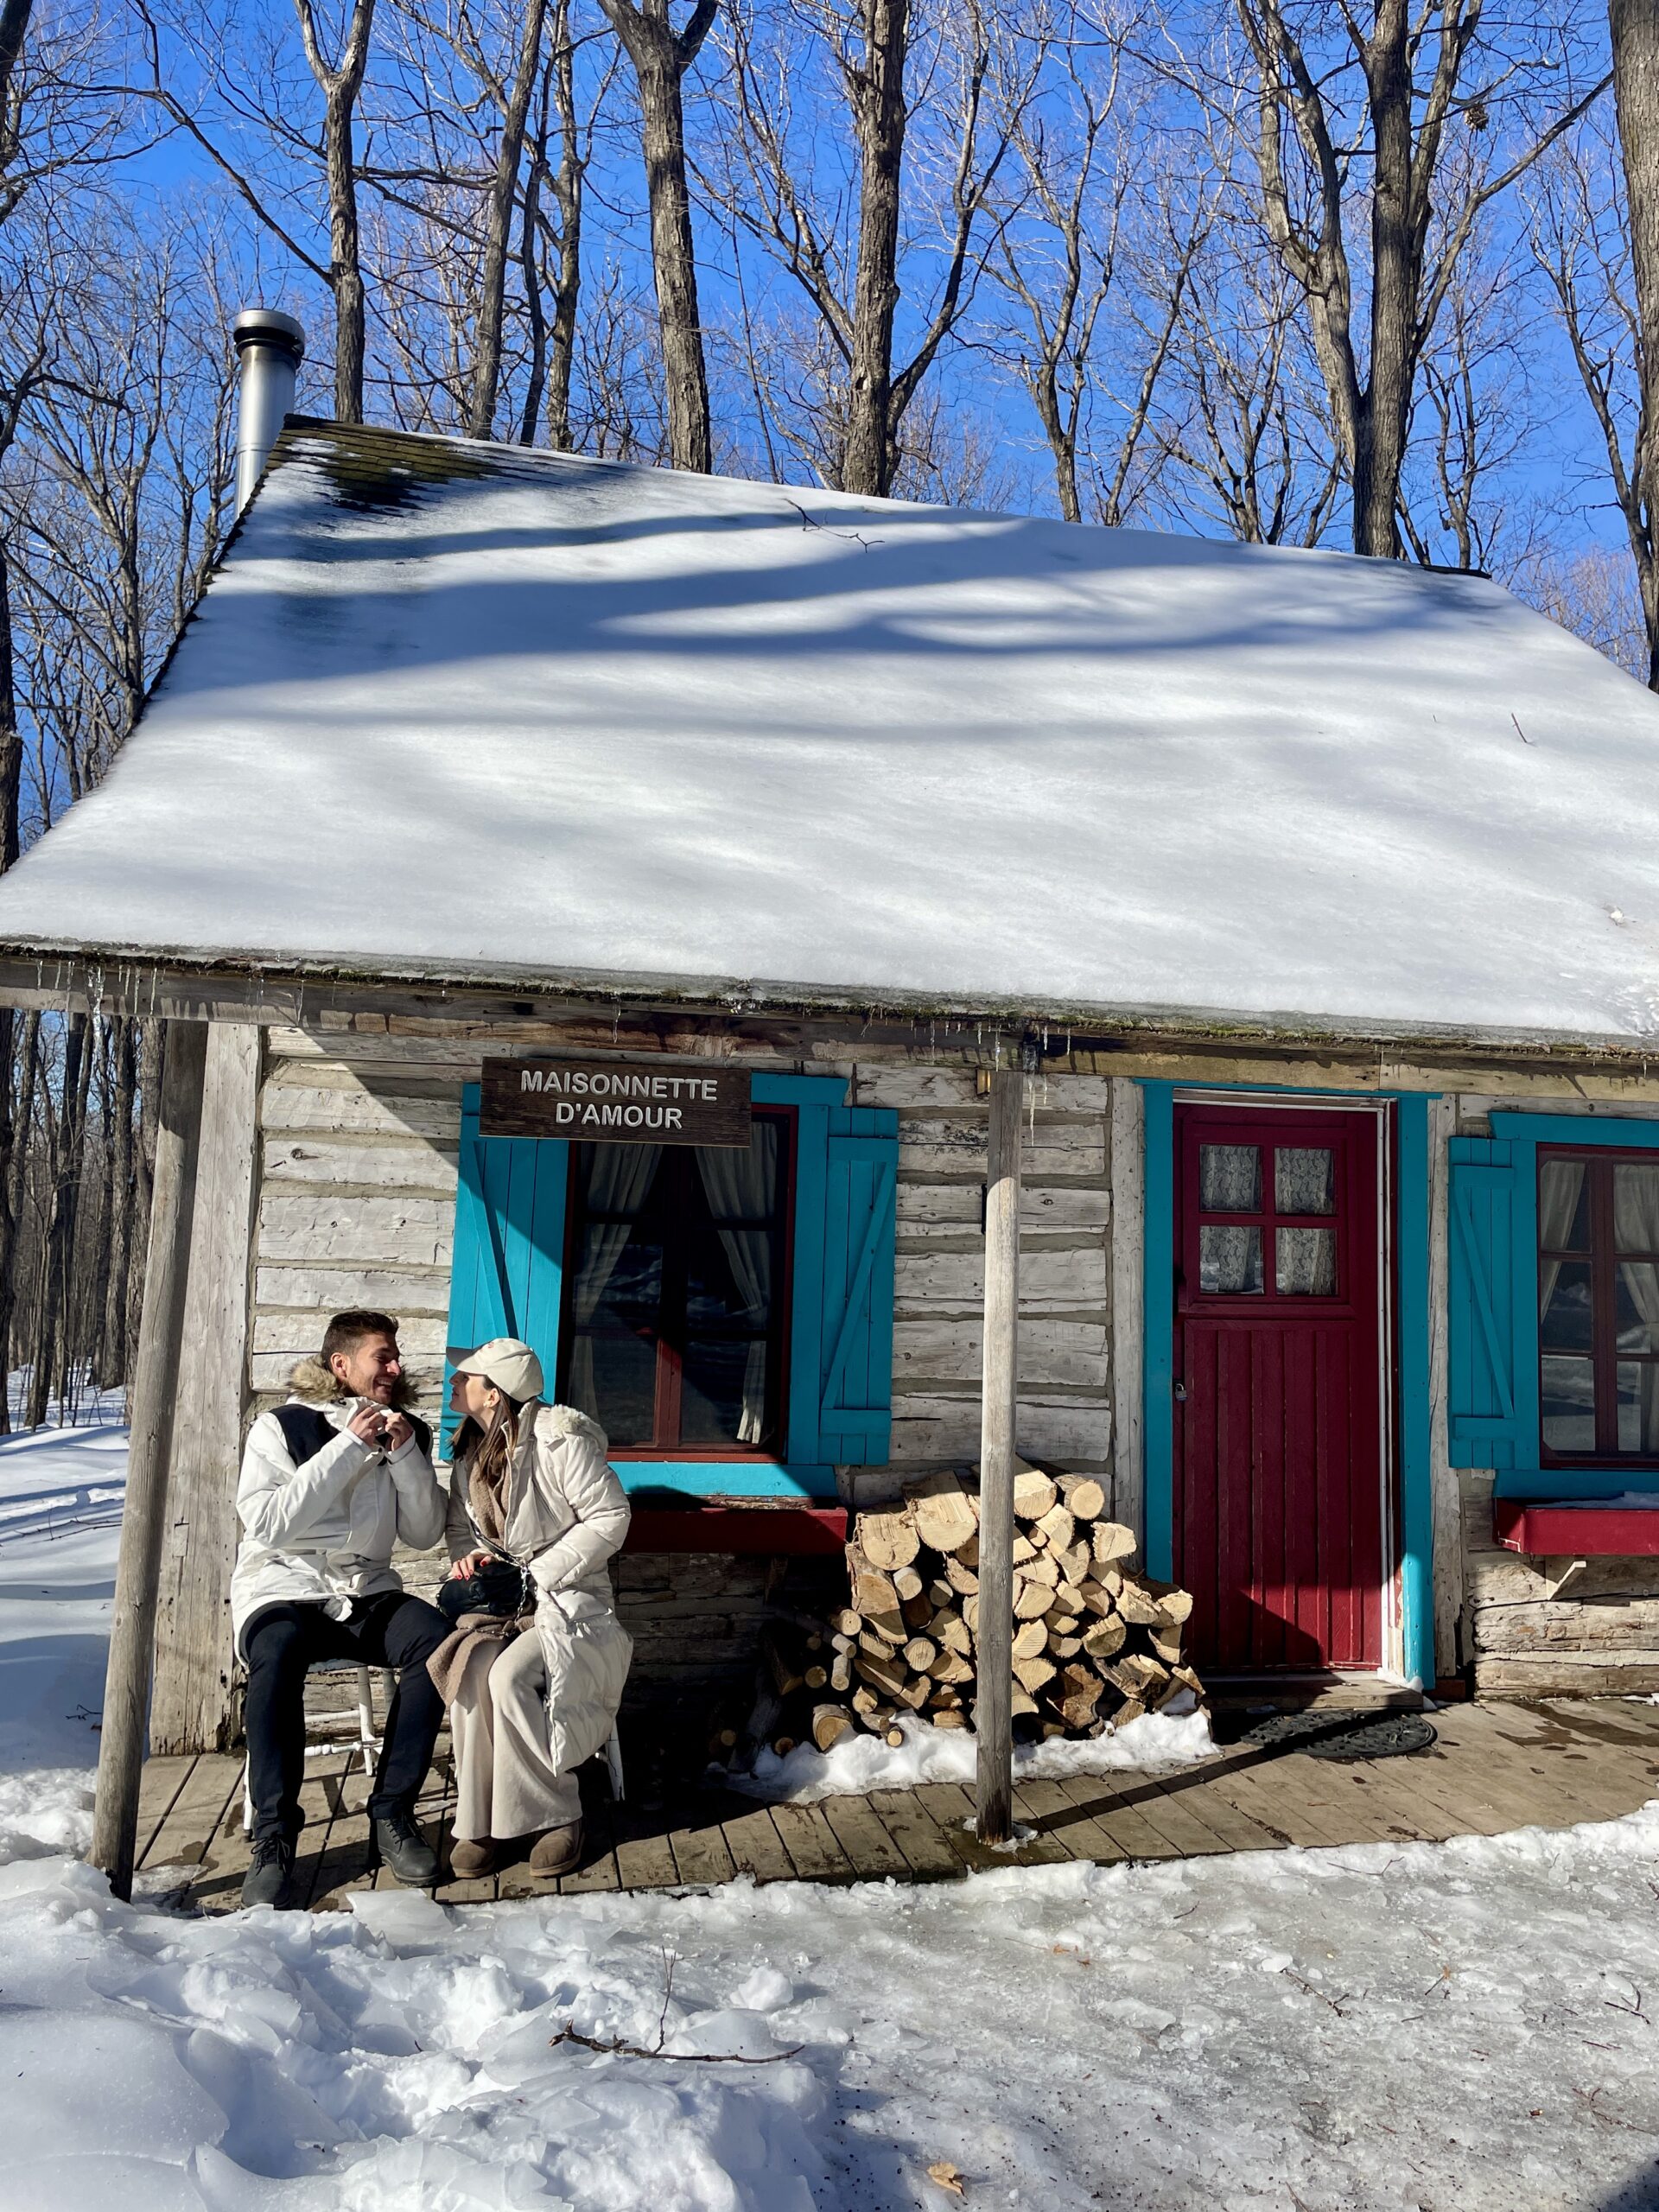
496, 806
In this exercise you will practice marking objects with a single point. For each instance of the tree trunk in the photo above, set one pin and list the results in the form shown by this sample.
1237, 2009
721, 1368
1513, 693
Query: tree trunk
568, 183
1380, 442
21, 1120
1635, 28
673, 261
113, 1355
11, 768
660, 60
49, 1331
97, 1235
341, 87
151, 1046
486, 362
879, 107
343, 261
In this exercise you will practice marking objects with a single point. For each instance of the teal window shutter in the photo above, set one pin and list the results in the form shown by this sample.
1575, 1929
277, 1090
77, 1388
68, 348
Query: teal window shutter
841, 1350
1489, 1275
507, 1272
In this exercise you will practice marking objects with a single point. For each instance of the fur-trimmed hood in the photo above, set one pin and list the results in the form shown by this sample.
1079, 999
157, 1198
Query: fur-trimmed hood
319, 1386
567, 1420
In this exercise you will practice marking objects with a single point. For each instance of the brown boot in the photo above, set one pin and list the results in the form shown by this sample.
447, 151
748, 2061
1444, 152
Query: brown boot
558, 1851
467, 1861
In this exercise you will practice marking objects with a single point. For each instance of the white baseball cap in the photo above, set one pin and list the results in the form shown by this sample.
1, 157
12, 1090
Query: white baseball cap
510, 1364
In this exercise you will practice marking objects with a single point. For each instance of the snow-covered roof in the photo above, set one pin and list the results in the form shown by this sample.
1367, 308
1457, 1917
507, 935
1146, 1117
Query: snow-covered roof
460, 711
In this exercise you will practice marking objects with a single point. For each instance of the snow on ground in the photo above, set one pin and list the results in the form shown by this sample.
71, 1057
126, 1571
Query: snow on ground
1174, 1737
1466, 2027
60, 1493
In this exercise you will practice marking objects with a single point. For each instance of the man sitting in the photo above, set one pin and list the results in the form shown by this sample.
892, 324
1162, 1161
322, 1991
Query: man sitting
330, 1483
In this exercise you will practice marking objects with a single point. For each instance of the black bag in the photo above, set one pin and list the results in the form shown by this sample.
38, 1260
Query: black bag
498, 1588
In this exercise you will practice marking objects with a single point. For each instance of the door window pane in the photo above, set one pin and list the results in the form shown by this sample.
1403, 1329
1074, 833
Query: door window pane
1230, 1179
1636, 1205
1230, 1261
1563, 1207
1305, 1263
1304, 1180
1567, 1397
1564, 1293
1637, 1305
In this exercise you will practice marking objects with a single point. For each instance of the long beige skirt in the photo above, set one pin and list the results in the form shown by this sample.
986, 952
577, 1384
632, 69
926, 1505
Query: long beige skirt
506, 1783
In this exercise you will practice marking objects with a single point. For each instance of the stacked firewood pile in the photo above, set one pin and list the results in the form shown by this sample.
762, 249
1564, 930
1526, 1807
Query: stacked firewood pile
1095, 1645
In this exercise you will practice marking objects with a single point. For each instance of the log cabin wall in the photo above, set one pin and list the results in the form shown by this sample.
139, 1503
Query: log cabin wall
1065, 1273
356, 1145
358, 1130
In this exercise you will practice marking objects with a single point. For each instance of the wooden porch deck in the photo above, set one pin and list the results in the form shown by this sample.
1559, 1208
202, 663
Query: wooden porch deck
1495, 1767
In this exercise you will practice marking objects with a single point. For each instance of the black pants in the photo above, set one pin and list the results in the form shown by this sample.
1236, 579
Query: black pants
283, 1641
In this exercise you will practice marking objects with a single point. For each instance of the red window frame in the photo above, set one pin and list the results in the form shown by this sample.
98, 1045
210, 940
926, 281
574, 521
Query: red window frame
1604, 1256
665, 1443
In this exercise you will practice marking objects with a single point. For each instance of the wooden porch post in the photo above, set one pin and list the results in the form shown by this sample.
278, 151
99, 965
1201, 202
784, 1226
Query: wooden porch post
993, 1714
155, 1388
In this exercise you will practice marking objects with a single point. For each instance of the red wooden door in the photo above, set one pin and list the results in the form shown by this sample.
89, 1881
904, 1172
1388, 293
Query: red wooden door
1278, 1519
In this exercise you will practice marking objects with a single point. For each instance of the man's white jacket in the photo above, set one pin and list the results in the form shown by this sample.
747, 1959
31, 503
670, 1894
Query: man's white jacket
323, 1534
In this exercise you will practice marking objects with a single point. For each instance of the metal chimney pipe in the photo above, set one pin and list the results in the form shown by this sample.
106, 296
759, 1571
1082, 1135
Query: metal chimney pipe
269, 347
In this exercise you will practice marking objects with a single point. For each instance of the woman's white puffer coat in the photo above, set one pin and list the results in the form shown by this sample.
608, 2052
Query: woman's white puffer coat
567, 1516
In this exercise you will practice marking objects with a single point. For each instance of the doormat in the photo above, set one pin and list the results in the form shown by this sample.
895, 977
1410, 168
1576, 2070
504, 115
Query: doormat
1330, 1735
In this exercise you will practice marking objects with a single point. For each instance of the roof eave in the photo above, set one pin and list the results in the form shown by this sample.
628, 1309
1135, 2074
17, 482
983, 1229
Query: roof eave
131, 974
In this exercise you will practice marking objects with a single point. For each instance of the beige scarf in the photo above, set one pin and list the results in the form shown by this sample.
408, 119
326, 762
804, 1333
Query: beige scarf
487, 1500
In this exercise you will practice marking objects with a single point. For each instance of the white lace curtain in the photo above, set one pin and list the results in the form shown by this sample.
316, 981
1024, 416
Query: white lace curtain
740, 1186
1229, 1181
618, 1182
1560, 1187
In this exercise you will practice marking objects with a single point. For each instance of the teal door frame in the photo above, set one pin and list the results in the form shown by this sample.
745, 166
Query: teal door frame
1406, 1295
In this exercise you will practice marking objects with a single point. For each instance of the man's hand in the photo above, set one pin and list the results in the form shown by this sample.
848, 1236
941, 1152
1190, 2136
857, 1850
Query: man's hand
367, 1423
397, 1431
381, 1428
464, 1569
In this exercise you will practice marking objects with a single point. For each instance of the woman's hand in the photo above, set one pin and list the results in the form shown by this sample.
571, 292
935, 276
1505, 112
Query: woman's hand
464, 1569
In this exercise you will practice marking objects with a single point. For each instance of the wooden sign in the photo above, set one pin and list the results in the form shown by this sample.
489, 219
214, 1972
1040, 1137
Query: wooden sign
611, 1101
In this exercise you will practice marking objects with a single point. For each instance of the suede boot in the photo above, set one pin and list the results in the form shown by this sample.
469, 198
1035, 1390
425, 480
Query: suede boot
470, 1861
558, 1851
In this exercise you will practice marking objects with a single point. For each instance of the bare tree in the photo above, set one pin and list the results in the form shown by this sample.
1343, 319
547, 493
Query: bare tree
250, 92
661, 56
1352, 126
765, 177
1243, 427
341, 82
550, 248
1582, 241
514, 101
1095, 253
1634, 31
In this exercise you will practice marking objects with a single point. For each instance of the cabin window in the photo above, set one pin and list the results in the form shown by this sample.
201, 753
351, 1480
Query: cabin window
676, 1304
1598, 1307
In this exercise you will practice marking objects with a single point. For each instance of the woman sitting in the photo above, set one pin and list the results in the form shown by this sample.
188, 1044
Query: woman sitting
533, 1673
